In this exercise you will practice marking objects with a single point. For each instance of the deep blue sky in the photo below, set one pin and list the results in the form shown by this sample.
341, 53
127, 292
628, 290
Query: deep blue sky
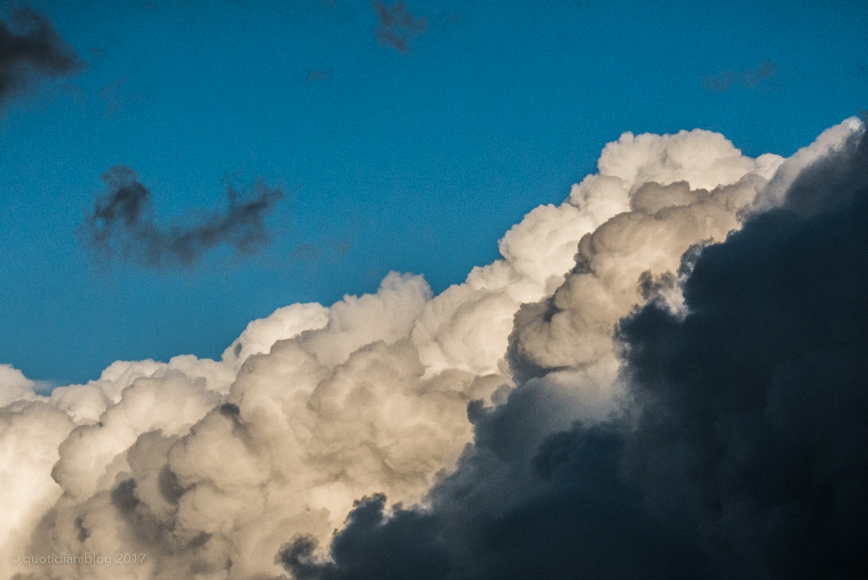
412, 161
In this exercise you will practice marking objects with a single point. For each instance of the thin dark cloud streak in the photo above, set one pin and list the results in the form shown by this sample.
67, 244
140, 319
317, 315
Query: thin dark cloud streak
318, 74
397, 26
742, 451
31, 51
117, 95
747, 78
122, 224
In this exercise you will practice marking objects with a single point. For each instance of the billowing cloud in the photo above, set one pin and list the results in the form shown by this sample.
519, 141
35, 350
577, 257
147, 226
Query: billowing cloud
397, 26
31, 50
604, 400
741, 449
122, 224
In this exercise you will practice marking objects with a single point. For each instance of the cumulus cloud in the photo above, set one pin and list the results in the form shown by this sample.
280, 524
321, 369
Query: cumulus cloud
397, 26
739, 451
568, 409
31, 50
122, 224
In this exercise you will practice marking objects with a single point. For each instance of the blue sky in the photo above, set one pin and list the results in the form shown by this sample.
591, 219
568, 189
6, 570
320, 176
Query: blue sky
413, 160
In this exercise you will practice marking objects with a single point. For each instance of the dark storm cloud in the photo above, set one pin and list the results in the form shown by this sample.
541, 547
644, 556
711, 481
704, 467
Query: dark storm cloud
755, 406
31, 50
122, 223
397, 26
747, 78
742, 453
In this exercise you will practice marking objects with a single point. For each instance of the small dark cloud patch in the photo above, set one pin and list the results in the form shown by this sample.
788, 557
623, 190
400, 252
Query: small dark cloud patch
31, 51
121, 225
397, 26
748, 78
444, 19
318, 74
340, 248
95, 53
116, 95
307, 253
742, 454
310, 254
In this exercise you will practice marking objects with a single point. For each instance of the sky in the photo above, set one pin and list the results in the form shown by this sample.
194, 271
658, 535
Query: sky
333, 290
394, 145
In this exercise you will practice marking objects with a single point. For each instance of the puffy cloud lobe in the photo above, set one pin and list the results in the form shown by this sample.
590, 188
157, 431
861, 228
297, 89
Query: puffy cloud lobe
829, 141
682, 190
29, 51
30, 435
468, 325
122, 222
283, 323
14, 386
211, 466
93, 454
740, 452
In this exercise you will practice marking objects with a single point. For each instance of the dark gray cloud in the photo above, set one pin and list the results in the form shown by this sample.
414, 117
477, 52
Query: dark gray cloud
122, 224
397, 26
747, 78
742, 451
31, 51
755, 406
558, 510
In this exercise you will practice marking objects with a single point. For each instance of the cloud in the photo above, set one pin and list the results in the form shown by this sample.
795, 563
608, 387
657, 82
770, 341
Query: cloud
445, 19
117, 95
307, 253
122, 223
563, 513
31, 51
747, 78
318, 75
659, 378
739, 452
397, 26
753, 406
